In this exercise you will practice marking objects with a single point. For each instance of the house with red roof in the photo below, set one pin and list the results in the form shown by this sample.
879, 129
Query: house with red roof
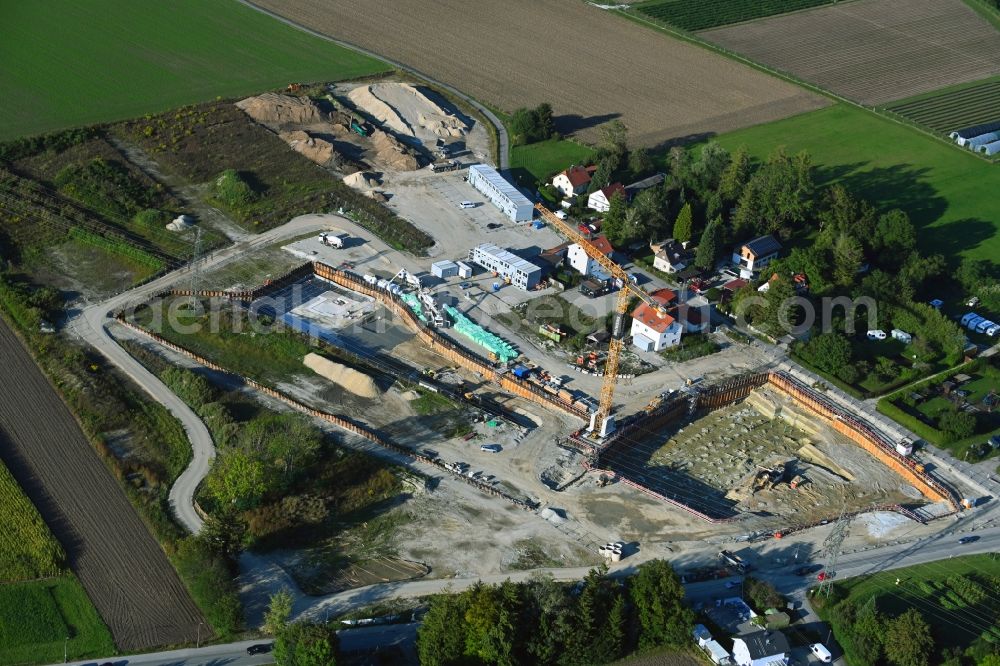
654, 329
600, 200
583, 263
572, 181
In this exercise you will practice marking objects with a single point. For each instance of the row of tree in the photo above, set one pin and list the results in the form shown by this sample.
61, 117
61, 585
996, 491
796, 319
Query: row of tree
302, 643
541, 621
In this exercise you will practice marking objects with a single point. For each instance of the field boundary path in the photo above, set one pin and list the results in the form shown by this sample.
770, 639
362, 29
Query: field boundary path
503, 139
123, 569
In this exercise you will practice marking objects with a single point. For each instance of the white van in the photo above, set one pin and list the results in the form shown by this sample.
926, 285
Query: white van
467, 204
821, 652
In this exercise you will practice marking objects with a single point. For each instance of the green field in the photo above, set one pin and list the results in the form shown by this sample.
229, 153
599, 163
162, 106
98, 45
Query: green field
958, 617
37, 618
702, 14
536, 162
27, 548
70, 63
948, 193
954, 108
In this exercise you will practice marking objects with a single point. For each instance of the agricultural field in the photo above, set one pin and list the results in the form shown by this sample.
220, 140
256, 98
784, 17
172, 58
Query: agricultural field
953, 109
69, 64
662, 89
898, 48
696, 15
28, 549
946, 192
37, 617
960, 594
123, 569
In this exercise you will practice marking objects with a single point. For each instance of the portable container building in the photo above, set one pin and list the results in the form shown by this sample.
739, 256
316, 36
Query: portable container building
464, 269
504, 196
444, 269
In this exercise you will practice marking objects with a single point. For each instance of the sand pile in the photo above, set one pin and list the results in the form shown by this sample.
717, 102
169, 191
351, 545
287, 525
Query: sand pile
362, 180
347, 378
363, 98
392, 153
181, 223
317, 150
275, 109
814, 456
408, 111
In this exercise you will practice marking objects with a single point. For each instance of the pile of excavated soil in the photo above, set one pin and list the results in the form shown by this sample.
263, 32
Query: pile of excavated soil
350, 379
317, 150
275, 109
363, 98
362, 180
392, 153
418, 111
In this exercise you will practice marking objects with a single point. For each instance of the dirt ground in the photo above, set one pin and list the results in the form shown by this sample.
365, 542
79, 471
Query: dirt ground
713, 463
591, 66
123, 569
873, 51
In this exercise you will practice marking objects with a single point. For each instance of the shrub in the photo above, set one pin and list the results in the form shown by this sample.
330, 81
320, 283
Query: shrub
233, 190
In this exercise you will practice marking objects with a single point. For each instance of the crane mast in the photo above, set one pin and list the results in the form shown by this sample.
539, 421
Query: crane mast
602, 420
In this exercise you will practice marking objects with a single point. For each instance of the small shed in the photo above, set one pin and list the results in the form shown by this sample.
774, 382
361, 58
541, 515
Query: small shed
642, 343
961, 378
717, 653
464, 270
444, 269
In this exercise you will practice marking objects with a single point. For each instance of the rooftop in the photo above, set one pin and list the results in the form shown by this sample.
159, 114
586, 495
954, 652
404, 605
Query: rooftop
492, 176
602, 245
646, 183
765, 643
763, 246
507, 257
577, 175
655, 320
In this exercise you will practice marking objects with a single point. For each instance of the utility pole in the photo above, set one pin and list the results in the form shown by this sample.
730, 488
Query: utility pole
198, 643
66, 650
833, 544
193, 265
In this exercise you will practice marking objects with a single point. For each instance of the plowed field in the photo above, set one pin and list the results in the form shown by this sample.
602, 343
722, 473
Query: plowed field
590, 66
123, 569
873, 51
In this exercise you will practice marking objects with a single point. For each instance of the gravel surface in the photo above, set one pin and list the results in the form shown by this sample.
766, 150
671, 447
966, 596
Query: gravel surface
124, 570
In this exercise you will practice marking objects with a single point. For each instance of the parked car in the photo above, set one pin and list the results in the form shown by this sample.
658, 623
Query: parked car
821, 652
493, 225
968, 539
490, 448
259, 648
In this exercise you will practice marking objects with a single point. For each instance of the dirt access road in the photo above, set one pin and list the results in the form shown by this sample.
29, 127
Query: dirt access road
125, 572
590, 66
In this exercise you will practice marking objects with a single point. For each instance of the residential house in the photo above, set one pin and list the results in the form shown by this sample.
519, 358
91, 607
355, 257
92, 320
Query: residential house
644, 184
671, 257
695, 316
572, 181
755, 255
586, 265
600, 200
761, 648
731, 288
654, 329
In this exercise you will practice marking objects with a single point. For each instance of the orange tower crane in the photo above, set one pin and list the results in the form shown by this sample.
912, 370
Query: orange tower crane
602, 421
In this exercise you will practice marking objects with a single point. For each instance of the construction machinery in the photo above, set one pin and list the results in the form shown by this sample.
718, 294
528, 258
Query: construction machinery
601, 421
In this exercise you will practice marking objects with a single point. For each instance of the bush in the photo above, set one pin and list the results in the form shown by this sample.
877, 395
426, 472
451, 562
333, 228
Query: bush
233, 191
210, 580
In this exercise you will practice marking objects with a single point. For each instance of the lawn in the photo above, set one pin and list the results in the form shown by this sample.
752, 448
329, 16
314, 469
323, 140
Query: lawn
948, 193
957, 616
536, 162
69, 63
36, 618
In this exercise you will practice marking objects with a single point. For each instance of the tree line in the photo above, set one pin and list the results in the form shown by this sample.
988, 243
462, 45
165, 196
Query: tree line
595, 621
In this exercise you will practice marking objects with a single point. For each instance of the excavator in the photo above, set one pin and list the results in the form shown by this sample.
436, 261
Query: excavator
602, 422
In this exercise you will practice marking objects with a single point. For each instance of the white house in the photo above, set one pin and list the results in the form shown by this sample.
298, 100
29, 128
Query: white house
671, 257
583, 263
755, 255
653, 330
761, 648
600, 200
572, 181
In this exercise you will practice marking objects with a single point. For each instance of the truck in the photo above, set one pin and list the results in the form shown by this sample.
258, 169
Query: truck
444, 165
332, 240
734, 560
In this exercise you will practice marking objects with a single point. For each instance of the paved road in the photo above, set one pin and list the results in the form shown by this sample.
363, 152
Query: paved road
91, 324
503, 161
